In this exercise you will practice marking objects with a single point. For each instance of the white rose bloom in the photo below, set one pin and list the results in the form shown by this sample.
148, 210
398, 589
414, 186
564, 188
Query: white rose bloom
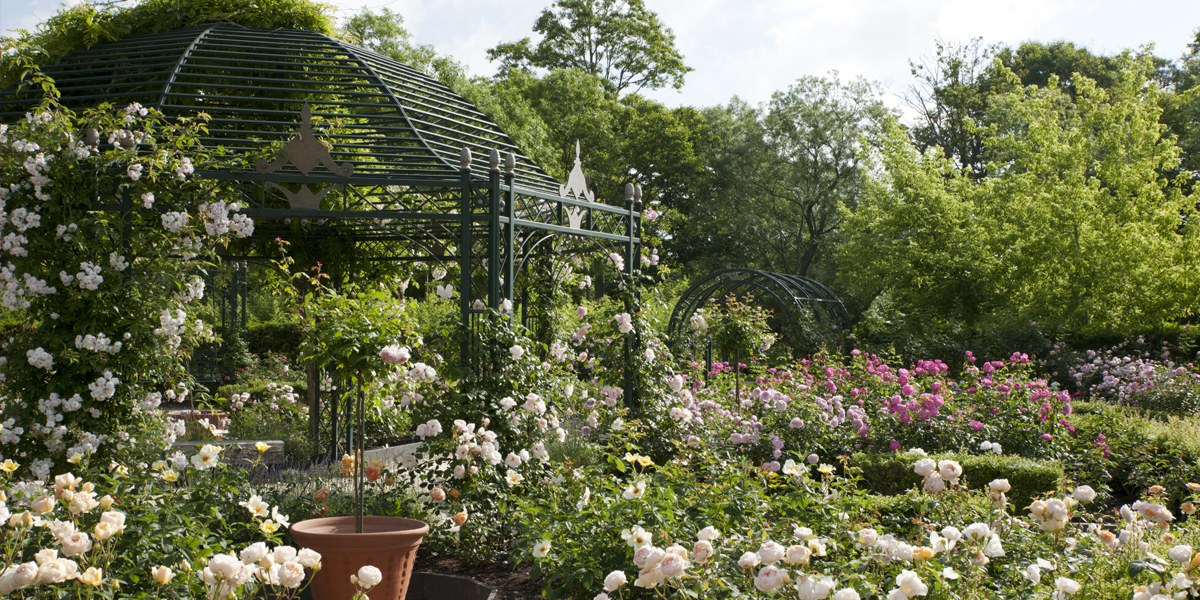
369, 576
848, 593
672, 565
701, 551
748, 560
1180, 554
993, 547
977, 531
812, 588
75, 544
950, 470
648, 556
909, 583
867, 538
1033, 573
1066, 585
934, 484
896, 594
770, 579
541, 549
1084, 493
308, 557
708, 533
770, 552
614, 580
283, 554
114, 518
798, 555
648, 578
951, 533
925, 467
254, 553
999, 486
224, 566
291, 574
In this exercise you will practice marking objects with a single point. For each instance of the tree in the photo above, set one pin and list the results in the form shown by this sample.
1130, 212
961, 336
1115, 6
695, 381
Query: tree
951, 92
1181, 111
385, 33
619, 41
784, 172
1072, 224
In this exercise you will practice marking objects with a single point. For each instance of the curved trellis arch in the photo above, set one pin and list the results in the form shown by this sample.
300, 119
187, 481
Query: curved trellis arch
792, 293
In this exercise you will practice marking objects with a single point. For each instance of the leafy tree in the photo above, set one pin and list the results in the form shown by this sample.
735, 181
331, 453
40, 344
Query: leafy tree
951, 92
620, 41
385, 33
1072, 224
953, 89
783, 174
1181, 111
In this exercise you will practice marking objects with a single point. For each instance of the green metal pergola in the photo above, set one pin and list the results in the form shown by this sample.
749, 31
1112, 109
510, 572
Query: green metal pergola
374, 152
412, 171
795, 298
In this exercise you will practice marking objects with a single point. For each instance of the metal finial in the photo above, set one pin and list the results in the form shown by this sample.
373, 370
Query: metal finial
494, 160
510, 163
464, 159
637, 194
629, 192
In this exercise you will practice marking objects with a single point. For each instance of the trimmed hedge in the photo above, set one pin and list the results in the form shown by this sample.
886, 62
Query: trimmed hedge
892, 474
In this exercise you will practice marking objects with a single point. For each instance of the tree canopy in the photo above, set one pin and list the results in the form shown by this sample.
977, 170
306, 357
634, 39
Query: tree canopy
783, 173
1072, 225
620, 41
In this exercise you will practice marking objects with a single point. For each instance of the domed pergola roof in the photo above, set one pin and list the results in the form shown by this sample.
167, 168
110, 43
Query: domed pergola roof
381, 115
401, 167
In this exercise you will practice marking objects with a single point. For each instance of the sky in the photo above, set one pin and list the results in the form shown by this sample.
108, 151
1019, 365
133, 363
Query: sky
752, 48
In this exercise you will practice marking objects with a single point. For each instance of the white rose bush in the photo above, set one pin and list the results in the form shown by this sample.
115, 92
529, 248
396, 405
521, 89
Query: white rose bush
106, 236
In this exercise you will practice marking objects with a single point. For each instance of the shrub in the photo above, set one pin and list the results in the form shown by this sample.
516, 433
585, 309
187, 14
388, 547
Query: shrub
892, 474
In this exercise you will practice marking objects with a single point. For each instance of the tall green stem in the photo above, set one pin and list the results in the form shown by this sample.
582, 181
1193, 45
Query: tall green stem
358, 464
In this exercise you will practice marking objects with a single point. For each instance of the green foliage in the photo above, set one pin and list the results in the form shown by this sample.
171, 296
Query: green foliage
892, 474
275, 337
1059, 231
741, 327
782, 175
622, 43
86, 24
272, 415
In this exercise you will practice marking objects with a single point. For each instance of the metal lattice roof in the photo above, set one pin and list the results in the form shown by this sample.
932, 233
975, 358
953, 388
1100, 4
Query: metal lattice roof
383, 116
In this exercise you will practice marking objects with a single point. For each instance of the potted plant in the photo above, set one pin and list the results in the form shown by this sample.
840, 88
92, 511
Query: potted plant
359, 332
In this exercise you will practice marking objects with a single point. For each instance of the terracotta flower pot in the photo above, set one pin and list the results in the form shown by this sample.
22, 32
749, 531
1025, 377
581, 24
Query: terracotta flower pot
387, 543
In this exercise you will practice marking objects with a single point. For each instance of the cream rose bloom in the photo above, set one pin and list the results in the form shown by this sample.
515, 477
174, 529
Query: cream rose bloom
770, 579
369, 576
291, 574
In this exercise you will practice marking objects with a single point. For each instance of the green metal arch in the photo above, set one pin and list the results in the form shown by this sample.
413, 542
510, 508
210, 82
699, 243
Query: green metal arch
791, 292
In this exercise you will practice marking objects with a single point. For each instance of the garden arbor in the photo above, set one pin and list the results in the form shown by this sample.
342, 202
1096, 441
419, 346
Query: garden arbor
796, 299
321, 140
325, 139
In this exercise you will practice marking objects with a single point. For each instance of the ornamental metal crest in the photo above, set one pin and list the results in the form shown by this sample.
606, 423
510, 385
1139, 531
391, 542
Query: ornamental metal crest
304, 151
